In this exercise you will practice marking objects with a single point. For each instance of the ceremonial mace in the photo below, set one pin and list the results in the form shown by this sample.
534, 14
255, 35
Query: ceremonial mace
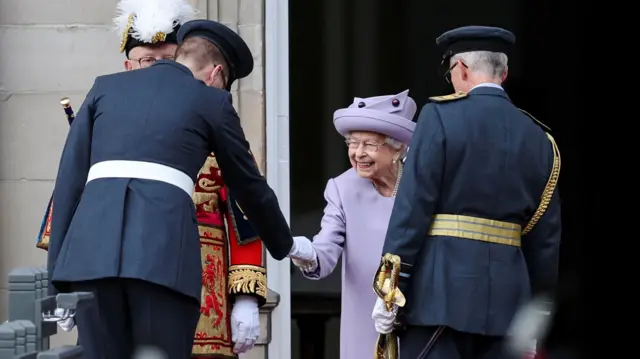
66, 106
43, 235
44, 243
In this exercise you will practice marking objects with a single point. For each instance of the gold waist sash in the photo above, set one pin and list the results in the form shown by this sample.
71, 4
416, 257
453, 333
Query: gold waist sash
474, 228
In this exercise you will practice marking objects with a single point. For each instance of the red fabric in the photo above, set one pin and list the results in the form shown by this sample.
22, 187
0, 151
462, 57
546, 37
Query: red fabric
247, 254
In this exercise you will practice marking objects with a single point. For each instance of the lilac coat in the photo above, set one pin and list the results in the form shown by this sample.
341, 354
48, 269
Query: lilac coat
354, 225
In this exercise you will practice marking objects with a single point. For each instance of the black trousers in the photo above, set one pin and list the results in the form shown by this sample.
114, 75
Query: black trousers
127, 314
446, 343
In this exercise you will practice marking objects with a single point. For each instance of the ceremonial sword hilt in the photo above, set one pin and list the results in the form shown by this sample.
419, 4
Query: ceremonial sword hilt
385, 285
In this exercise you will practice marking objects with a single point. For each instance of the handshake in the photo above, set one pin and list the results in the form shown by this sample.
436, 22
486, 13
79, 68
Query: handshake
303, 255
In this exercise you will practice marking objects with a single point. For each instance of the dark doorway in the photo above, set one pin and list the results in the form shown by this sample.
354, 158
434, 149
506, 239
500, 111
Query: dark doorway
357, 48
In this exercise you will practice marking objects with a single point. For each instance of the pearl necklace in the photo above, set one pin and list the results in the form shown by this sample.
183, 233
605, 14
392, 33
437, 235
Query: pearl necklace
395, 188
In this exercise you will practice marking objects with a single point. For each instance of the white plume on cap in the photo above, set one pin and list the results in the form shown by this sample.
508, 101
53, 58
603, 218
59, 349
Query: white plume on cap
151, 17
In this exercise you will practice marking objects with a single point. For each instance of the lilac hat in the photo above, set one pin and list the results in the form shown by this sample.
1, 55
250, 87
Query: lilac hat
389, 115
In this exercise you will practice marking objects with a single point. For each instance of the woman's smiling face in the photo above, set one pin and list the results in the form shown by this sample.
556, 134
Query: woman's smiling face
369, 154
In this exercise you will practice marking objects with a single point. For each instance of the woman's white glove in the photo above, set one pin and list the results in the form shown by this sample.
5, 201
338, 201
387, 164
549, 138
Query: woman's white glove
382, 318
65, 324
303, 255
245, 323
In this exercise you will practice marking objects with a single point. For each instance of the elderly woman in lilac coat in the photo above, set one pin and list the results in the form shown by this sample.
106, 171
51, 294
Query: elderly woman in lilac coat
359, 202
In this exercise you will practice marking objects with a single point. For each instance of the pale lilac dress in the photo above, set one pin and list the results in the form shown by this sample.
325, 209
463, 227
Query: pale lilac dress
354, 225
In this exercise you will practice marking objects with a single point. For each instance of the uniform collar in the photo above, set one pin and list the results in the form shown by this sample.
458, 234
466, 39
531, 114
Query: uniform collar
489, 89
487, 84
172, 63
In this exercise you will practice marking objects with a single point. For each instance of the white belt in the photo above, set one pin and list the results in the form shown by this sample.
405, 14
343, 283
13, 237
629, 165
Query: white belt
141, 170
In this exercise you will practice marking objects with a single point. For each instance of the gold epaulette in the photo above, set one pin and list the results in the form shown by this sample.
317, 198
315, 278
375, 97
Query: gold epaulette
547, 128
547, 194
452, 97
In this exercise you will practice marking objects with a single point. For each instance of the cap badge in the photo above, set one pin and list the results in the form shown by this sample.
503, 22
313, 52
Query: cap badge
158, 37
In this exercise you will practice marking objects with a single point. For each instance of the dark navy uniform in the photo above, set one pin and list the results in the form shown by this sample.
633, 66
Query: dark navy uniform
468, 223
133, 240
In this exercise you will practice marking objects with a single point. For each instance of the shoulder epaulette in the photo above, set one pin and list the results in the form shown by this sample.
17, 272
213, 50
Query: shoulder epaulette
545, 127
452, 97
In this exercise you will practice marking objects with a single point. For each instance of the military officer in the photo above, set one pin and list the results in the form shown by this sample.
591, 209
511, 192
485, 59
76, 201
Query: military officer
137, 22
124, 187
475, 226
224, 236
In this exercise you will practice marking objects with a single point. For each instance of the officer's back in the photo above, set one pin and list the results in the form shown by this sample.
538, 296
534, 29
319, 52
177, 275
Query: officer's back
150, 111
497, 158
497, 165
472, 228
136, 226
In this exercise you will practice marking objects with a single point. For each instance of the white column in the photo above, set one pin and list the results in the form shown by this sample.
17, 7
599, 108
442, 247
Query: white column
277, 163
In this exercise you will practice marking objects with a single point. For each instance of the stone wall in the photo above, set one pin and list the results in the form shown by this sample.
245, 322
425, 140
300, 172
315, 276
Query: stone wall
50, 49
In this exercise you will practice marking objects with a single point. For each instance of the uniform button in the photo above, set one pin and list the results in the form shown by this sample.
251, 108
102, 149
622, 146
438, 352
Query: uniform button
361, 105
395, 102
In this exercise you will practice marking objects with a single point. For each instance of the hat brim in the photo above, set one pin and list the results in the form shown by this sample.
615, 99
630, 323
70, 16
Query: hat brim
352, 119
171, 38
245, 58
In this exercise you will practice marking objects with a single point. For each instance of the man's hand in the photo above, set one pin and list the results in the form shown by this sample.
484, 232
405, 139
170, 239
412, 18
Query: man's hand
245, 323
65, 324
383, 319
303, 255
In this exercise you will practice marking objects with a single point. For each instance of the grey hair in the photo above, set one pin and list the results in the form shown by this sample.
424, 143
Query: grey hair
398, 145
492, 64
394, 143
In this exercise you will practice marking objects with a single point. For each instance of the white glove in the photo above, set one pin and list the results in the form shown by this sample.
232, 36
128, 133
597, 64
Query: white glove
65, 324
382, 318
530, 323
303, 255
245, 323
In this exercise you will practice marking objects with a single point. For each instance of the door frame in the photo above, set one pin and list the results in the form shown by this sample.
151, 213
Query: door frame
276, 50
